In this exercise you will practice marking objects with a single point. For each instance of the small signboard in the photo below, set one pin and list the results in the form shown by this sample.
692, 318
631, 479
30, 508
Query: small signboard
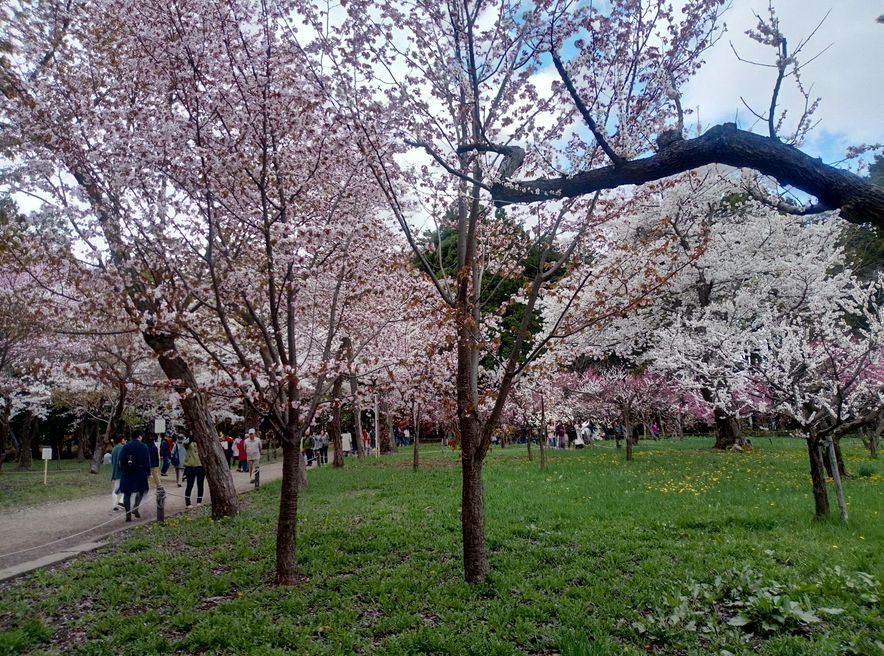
159, 425
46, 452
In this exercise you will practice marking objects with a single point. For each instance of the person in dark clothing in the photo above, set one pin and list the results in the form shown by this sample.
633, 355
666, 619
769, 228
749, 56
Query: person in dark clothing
166, 445
134, 470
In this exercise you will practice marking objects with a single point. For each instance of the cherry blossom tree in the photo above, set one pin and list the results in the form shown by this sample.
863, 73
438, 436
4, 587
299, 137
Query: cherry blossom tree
814, 366
78, 111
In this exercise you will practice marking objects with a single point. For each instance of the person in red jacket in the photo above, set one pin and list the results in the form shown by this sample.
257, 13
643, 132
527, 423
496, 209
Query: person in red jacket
243, 458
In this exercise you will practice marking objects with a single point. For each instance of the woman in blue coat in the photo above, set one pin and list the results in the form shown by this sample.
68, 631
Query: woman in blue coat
134, 469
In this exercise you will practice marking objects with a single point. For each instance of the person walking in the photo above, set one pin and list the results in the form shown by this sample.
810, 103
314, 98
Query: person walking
166, 446
179, 453
154, 454
193, 473
243, 456
227, 446
307, 446
234, 452
253, 454
134, 470
116, 474
323, 448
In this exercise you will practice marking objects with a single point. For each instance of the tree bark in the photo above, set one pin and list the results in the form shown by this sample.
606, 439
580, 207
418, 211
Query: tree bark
5, 413
817, 477
415, 454
25, 455
335, 429
102, 443
727, 431
385, 437
627, 432
287, 524
81, 443
870, 441
475, 560
357, 408
860, 201
225, 502
391, 436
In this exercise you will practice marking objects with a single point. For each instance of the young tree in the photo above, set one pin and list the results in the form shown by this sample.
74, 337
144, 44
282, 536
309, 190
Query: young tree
76, 110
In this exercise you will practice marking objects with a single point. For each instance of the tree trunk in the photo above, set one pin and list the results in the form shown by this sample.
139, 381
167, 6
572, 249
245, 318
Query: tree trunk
627, 431
475, 561
842, 470
727, 431
839, 460
102, 443
385, 437
817, 477
335, 430
868, 438
415, 454
391, 435
529, 437
357, 408
25, 455
5, 413
287, 524
81, 443
225, 502
543, 434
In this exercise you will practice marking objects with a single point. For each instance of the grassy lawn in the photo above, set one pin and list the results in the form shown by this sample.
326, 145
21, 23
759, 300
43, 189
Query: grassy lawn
68, 479
684, 551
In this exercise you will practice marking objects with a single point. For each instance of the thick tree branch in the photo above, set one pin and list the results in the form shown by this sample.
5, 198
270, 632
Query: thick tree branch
584, 110
859, 200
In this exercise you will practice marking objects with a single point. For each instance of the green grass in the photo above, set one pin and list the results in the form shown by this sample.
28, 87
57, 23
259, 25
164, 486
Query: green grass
590, 557
67, 479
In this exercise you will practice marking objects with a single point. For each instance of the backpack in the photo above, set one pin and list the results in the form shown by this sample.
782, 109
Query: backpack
129, 465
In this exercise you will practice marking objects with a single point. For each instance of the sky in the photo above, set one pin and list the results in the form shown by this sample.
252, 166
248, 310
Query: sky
849, 76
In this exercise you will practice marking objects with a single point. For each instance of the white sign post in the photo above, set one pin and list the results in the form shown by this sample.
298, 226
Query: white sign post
159, 425
47, 456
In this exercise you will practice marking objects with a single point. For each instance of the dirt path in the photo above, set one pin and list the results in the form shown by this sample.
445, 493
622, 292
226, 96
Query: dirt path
40, 535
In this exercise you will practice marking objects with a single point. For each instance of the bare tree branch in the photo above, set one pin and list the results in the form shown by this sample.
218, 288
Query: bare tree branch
859, 200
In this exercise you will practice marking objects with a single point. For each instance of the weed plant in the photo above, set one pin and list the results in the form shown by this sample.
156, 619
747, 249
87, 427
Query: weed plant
683, 551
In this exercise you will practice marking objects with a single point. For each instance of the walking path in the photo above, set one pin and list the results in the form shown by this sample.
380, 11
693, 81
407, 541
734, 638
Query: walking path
37, 536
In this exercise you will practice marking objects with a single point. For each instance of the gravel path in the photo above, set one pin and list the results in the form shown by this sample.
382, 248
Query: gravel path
40, 535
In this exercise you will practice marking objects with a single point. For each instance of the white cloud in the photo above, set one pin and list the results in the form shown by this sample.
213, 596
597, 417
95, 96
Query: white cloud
848, 76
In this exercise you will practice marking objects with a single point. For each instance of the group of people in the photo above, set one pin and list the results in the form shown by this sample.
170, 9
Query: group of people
242, 452
567, 435
136, 461
315, 449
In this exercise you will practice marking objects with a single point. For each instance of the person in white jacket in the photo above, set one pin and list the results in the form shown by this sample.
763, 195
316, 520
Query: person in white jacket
253, 453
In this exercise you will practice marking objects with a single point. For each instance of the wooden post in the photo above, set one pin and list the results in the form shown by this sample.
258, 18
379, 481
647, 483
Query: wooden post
836, 476
161, 504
